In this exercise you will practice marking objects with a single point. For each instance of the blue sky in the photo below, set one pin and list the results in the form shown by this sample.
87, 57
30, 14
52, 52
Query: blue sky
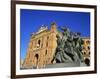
31, 21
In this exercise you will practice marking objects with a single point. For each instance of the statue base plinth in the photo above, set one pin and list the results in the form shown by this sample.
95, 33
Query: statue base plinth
61, 65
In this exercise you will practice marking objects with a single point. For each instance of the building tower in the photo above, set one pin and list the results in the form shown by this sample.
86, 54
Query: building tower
41, 47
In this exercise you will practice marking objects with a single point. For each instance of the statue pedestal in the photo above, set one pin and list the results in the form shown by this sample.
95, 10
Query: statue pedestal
62, 65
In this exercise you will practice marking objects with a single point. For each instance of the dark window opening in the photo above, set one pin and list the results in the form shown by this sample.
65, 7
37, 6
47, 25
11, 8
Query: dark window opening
88, 47
84, 53
88, 42
87, 62
89, 53
46, 52
36, 56
39, 41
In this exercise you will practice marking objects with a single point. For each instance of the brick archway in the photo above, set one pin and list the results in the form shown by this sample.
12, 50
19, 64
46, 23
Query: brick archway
36, 58
87, 61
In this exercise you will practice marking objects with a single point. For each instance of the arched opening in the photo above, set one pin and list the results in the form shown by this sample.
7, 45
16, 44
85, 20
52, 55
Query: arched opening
36, 56
87, 62
89, 53
46, 52
88, 47
88, 42
84, 53
38, 43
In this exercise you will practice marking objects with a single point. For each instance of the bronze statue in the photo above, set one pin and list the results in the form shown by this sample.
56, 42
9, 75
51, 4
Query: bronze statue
69, 47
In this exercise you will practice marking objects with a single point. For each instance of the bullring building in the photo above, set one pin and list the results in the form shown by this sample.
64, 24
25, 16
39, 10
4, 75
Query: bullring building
42, 47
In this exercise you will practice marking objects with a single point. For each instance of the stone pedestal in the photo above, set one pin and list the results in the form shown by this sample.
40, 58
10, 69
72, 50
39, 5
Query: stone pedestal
62, 65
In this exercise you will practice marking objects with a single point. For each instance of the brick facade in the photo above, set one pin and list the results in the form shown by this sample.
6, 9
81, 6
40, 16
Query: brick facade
41, 48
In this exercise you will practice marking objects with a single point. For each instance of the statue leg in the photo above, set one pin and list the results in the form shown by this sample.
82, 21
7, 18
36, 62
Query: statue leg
58, 57
66, 58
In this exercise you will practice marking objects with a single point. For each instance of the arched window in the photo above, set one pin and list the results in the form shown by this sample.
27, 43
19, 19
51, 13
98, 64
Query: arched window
88, 47
88, 42
87, 62
38, 43
89, 53
36, 56
46, 52
84, 53
47, 41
